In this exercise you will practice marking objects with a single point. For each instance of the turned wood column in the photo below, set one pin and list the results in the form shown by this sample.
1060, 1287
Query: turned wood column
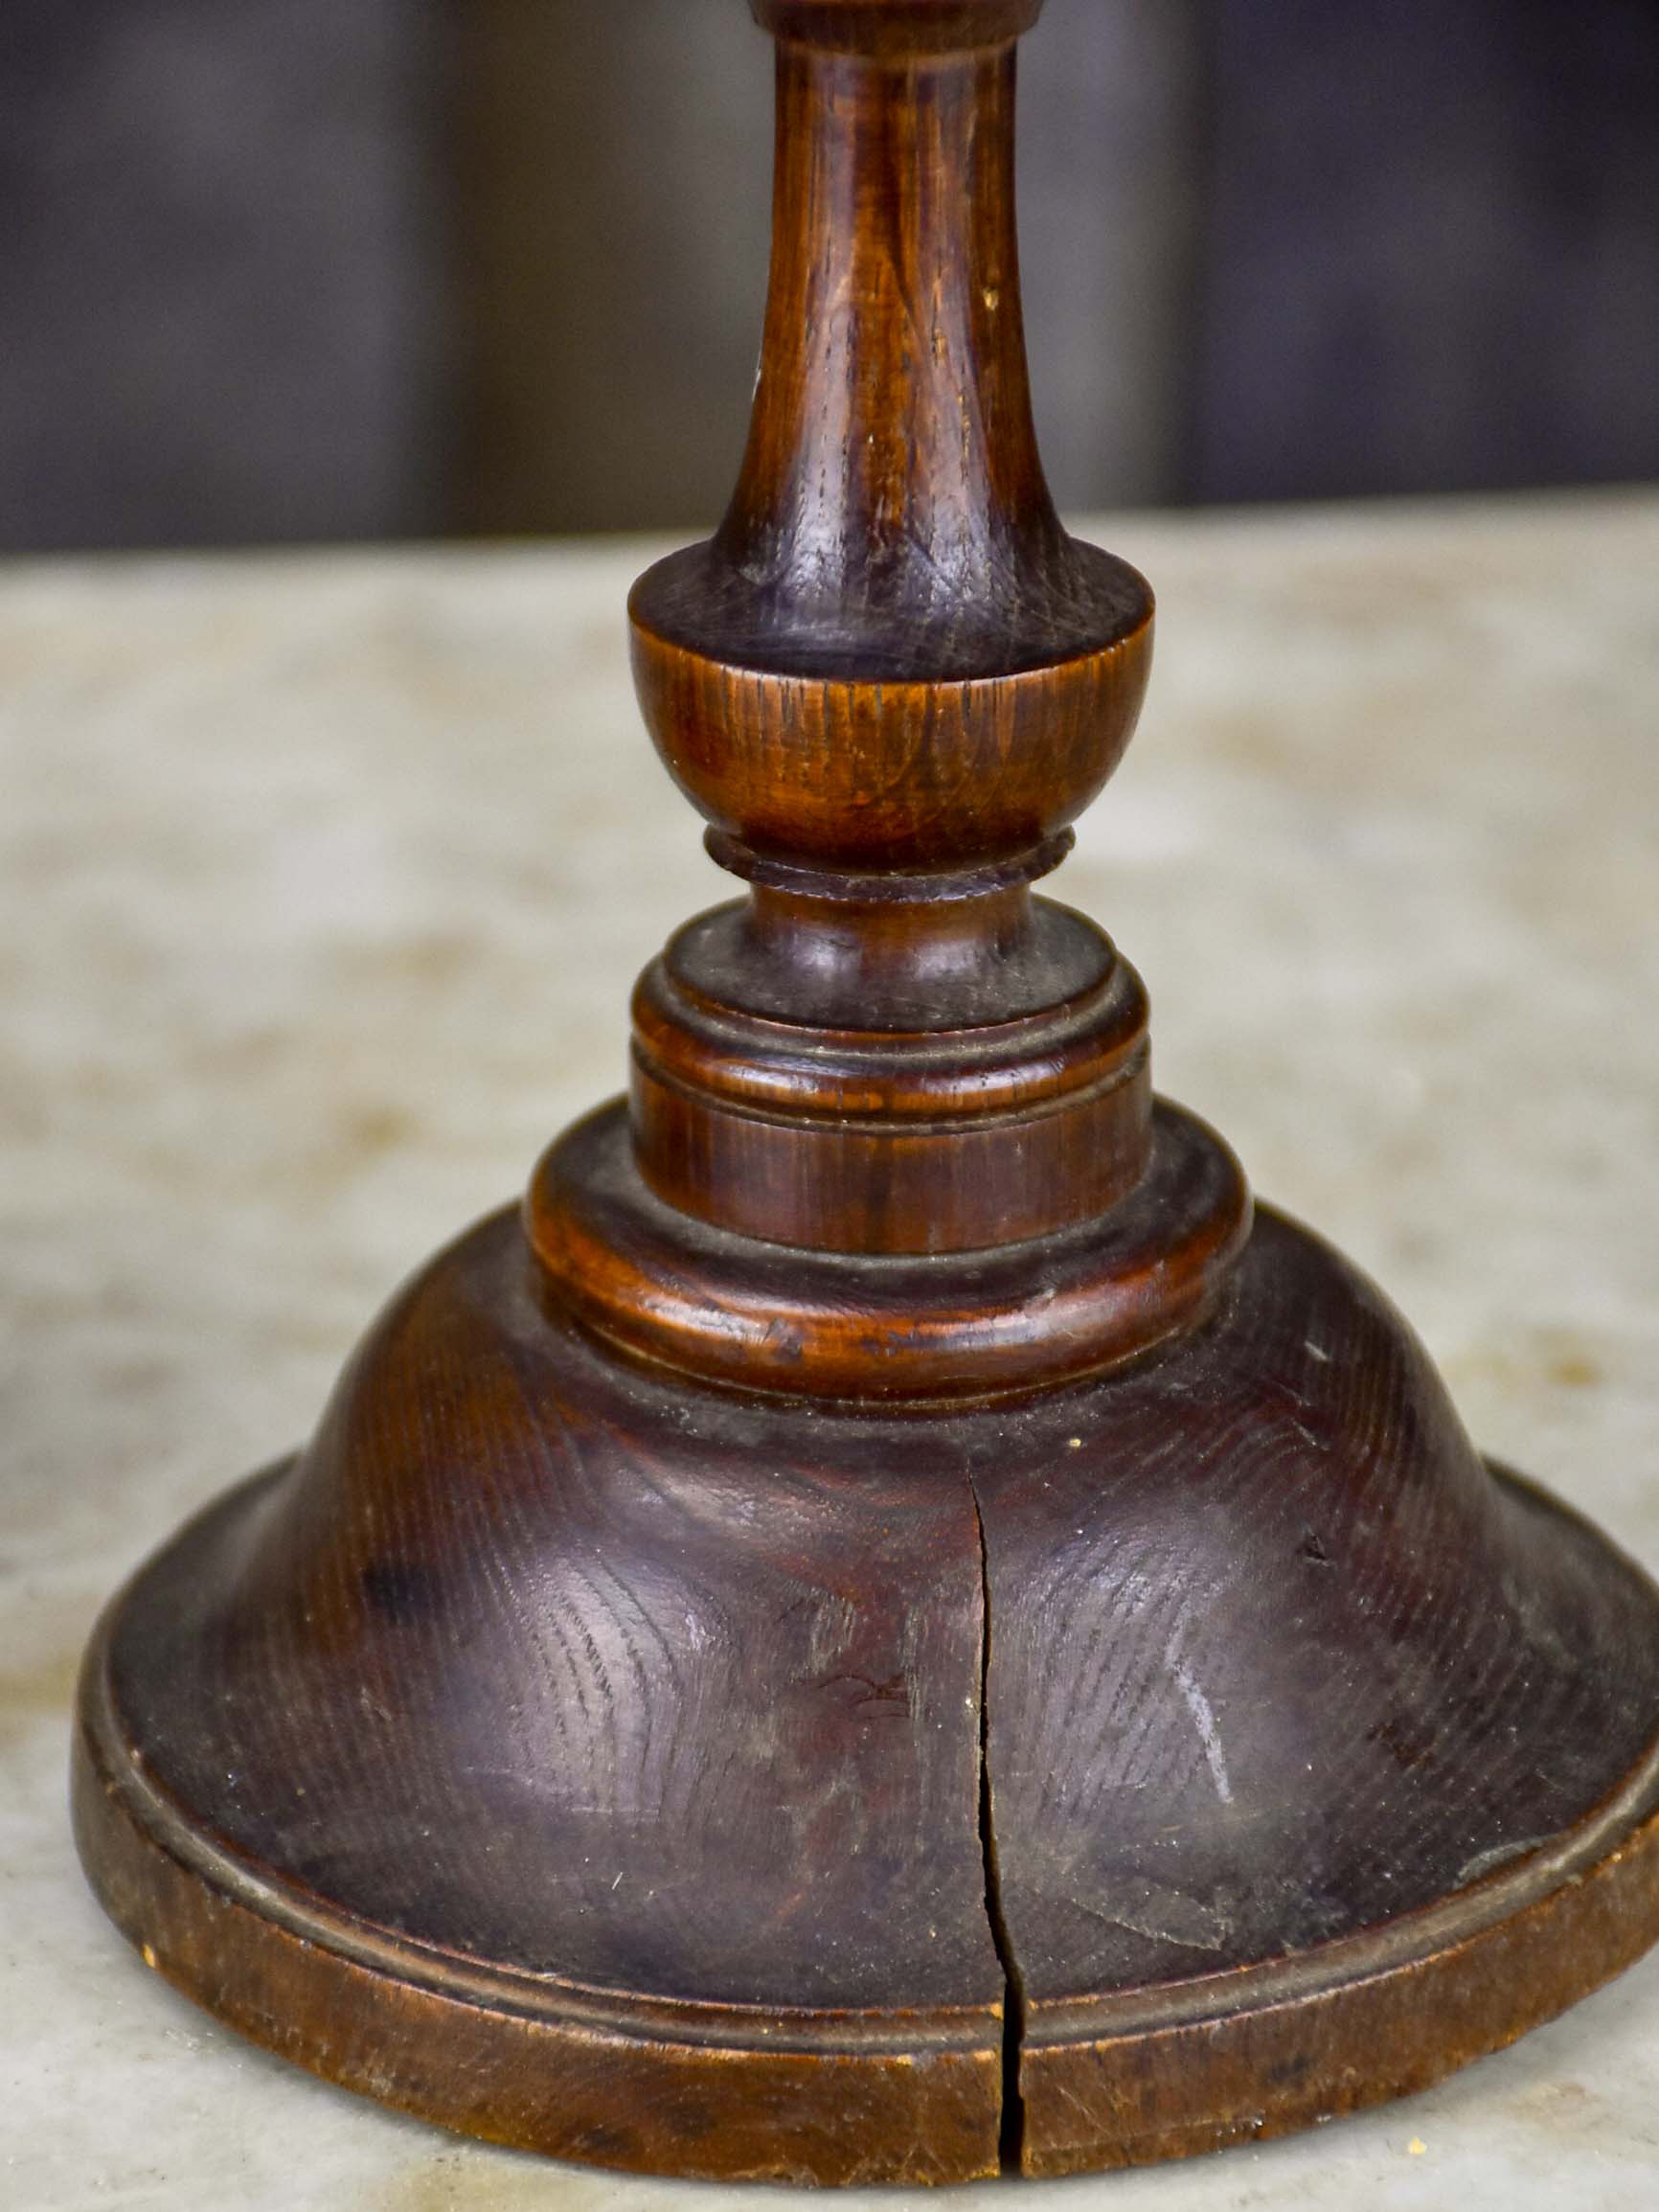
890, 682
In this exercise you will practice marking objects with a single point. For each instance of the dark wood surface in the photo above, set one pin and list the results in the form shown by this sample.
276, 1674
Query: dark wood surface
593, 1760
884, 1623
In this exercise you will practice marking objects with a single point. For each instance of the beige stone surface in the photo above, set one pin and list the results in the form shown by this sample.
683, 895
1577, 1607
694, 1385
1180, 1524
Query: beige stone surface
324, 879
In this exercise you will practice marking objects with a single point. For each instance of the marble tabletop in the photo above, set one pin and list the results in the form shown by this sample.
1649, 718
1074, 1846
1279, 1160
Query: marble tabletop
324, 879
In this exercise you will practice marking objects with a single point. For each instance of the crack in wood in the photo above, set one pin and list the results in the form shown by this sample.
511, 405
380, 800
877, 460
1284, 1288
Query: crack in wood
1010, 2137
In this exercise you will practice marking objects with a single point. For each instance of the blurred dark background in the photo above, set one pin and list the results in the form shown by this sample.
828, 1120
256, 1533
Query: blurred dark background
306, 270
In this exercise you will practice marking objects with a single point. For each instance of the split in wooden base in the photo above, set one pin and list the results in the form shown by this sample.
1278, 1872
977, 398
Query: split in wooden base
715, 2093
595, 1764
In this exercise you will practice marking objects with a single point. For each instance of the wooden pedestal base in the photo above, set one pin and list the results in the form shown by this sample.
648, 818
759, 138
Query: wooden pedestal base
885, 1625
719, 1783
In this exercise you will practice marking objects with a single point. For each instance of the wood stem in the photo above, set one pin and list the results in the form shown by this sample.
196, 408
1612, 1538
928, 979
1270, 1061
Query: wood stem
891, 681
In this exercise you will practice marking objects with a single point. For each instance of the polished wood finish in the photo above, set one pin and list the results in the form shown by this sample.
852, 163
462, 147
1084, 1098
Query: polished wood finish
873, 1328
886, 1623
778, 1110
891, 681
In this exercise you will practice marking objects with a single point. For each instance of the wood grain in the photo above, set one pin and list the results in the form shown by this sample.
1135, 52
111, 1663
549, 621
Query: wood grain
885, 1622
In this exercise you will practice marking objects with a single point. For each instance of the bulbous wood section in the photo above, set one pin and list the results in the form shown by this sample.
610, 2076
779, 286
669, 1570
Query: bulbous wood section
592, 1760
891, 654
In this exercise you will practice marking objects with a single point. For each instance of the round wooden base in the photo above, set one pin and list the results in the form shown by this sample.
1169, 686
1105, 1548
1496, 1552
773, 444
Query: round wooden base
721, 2092
706, 1782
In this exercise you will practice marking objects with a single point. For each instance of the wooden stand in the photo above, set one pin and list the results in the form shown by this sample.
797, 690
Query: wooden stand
884, 1623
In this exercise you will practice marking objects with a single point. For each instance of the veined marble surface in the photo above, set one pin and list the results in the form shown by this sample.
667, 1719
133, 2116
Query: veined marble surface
324, 881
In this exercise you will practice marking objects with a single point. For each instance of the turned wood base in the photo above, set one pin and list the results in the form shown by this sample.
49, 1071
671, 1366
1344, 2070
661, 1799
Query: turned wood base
691, 1780
886, 1625
1148, 2074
